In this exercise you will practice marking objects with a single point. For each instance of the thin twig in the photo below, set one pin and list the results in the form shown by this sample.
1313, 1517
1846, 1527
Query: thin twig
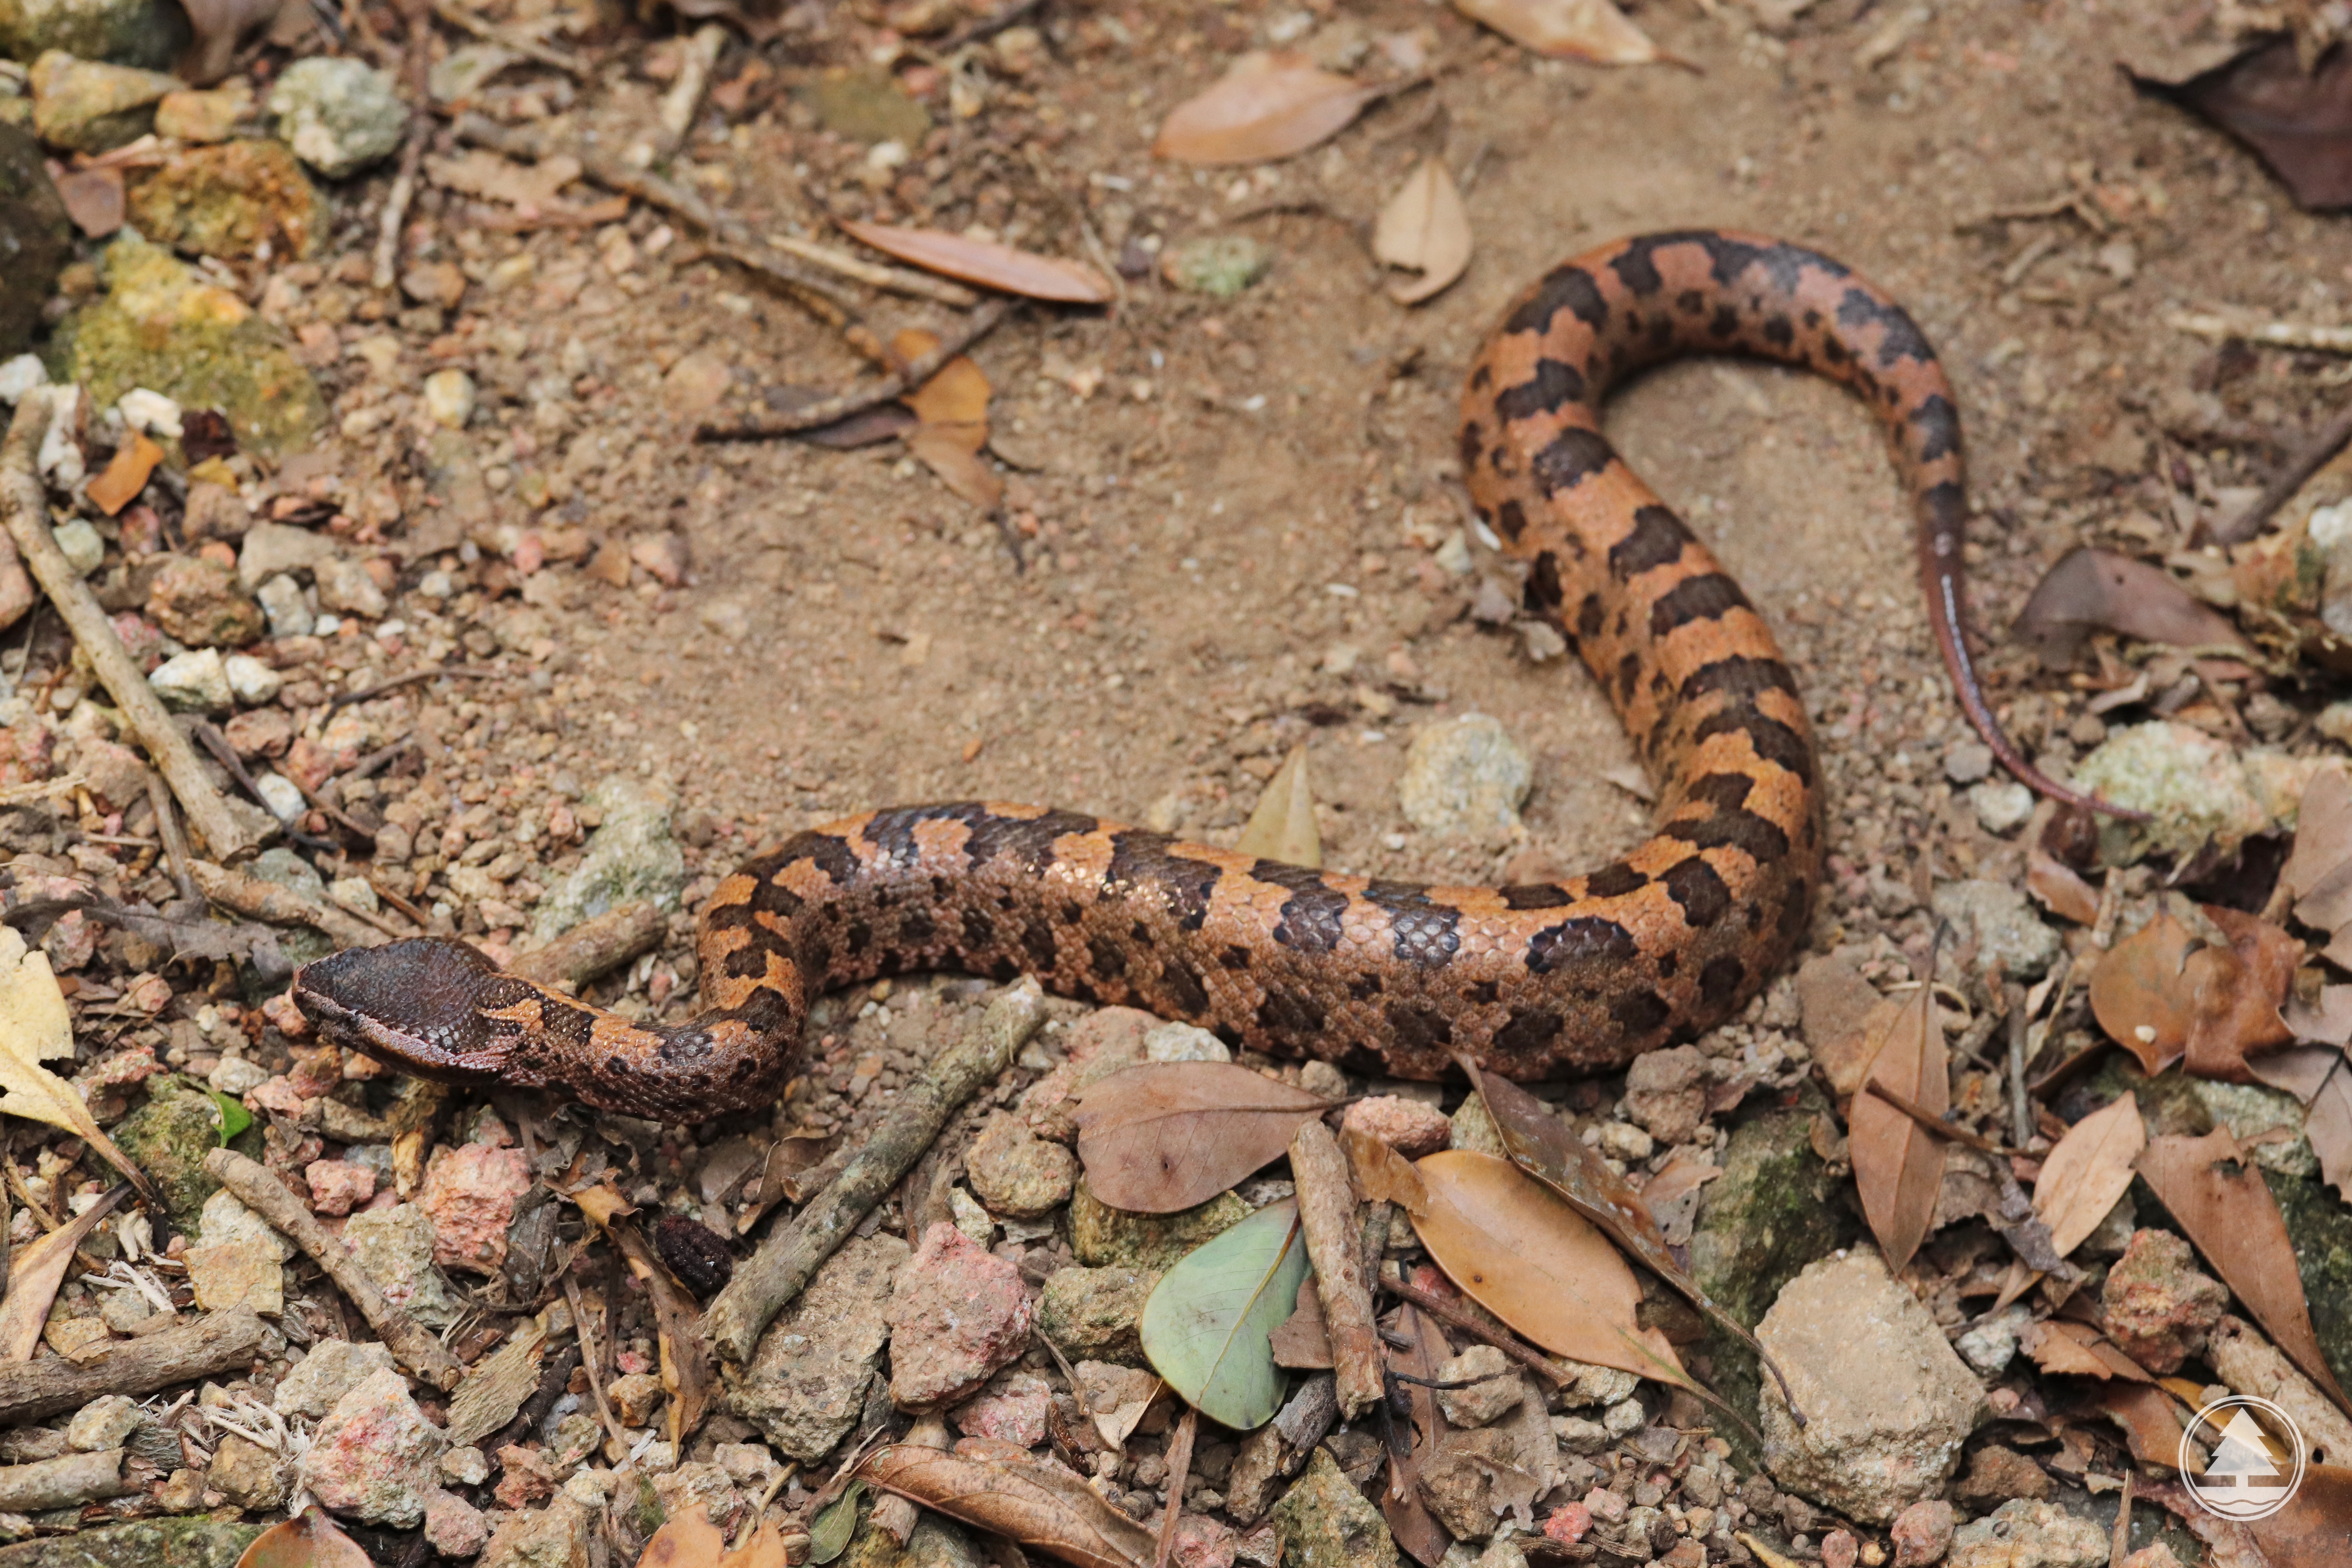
1936, 1125
684, 100
225, 754
588, 1361
988, 27
1446, 1313
175, 843
2306, 461
416, 64
414, 678
897, 279
832, 409
1180, 1469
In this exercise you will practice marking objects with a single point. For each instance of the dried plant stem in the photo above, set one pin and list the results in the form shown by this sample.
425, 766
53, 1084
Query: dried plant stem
588, 1360
817, 415
785, 1262
1180, 1469
214, 1343
896, 280
1335, 1241
1446, 1313
521, 43
265, 1195
593, 947
25, 509
415, 66
175, 843
684, 100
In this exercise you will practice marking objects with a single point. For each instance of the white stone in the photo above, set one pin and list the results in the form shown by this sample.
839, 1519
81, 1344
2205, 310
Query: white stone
237, 1078
449, 398
20, 376
227, 1219
1626, 1142
1991, 1345
281, 795
193, 682
345, 586
269, 548
467, 1467
1465, 777
59, 458
355, 893
332, 1369
103, 1424
1624, 1418
252, 682
81, 545
289, 613
1184, 1043
2002, 805
151, 413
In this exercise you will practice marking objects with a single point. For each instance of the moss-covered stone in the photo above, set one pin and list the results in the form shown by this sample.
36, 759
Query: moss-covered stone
149, 34
160, 327
934, 1544
89, 106
188, 1542
867, 105
1325, 1521
35, 236
2321, 1229
1775, 1209
1105, 1237
168, 1138
1091, 1314
231, 201
632, 856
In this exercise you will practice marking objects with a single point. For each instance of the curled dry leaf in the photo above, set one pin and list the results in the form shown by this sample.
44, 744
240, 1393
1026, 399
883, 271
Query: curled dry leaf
2060, 1345
2296, 114
1425, 229
35, 1025
2165, 996
2320, 1076
687, 1372
1282, 824
126, 473
1514, 1247
1381, 1174
2138, 996
2058, 888
951, 413
2088, 1171
2151, 1421
1266, 106
1566, 30
1423, 1352
1302, 1344
2222, 1203
309, 1540
990, 265
2097, 589
1038, 1505
1898, 1165
1208, 1325
2318, 870
690, 1540
1164, 1136
35, 1274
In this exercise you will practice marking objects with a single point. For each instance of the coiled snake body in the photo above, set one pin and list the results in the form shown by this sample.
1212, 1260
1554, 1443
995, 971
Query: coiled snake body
1379, 976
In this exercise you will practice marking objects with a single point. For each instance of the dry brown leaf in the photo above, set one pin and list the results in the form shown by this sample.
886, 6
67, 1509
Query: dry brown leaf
1424, 1350
2327, 1021
1302, 1344
957, 393
93, 199
952, 452
2318, 870
308, 1541
2088, 1171
2152, 1422
990, 265
2320, 1076
2309, 1530
1381, 1174
35, 1274
1514, 1247
2057, 887
2139, 996
126, 475
690, 1540
687, 1372
2096, 590
1845, 1019
1566, 30
1166, 1136
952, 411
1266, 106
1898, 1165
1282, 824
2238, 995
2060, 1345
1040, 1506
1425, 229
1672, 1196
2221, 1201
33, 1026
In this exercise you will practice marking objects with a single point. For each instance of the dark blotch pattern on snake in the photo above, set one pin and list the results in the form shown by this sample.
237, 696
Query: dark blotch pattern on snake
1380, 977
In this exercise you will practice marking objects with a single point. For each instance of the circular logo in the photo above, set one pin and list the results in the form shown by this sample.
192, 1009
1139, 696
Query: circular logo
2257, 1456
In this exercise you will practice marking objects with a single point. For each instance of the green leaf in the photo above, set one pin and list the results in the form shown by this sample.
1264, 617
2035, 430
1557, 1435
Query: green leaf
1208, 1323
835, 1523
234, 1117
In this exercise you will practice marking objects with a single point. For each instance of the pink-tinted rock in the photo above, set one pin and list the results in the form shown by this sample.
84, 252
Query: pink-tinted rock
469, 1195
374, 1456
526, 1477
1923, 1534
1604, 1505
2156, 1555
1839, 1550
1012, 1409
260, 731
202, 603
957, 1314
1666, 1091
1568, 1523
1203, 1542
71, 943
663, 554
281, 1015
114, 772
337, 1186
2159, 1306
277, 1094
1408, 1126
454, 1527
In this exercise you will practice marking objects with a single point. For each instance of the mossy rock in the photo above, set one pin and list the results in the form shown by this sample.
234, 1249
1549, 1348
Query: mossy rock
1105, 1237
231, 201
1326, 1522
168, 1138
193, 1542
1775, 1209
2321, 1229
35, 236
161, 327
145, 34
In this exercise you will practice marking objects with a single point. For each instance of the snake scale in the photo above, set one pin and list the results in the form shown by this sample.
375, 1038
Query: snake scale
1381, 978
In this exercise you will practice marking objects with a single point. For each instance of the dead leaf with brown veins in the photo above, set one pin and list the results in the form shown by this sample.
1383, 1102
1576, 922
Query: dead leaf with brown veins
35, 1274
1040, 1506
2078, 1349
986, 263
2222, 1203
1425, 229
2097, 589
2090, 1169
1898, 1165
1592, 30
35, 1027
951, 409
1164, 1136
1411, 1441
1265, 107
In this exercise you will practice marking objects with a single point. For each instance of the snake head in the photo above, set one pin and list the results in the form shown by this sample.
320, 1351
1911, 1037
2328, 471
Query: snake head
417, 1005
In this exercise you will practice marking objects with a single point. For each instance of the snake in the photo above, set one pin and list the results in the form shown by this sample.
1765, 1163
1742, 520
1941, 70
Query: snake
1384, 978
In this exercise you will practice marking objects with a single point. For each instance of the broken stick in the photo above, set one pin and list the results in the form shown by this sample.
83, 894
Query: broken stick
25, 508
785, 1262
1327, 1213
67, 1481
593, 947
215, 1343
265, 1195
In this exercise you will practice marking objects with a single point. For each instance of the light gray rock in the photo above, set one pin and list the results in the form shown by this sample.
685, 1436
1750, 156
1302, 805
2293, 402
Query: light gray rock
346, 587
289, 613
1888, 1402
103, 1423
2002, 805
250, 681
1494, 1388
1184, 1043
1464, 778
269, 548
81, 545
633, 856
1967, 761
2006, 929
808, 1379
395, 1247
2023, 1534
331, 1368
194, 682
339, 114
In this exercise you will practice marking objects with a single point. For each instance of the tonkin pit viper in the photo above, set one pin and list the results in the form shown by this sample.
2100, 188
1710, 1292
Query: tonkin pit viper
1381, 978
